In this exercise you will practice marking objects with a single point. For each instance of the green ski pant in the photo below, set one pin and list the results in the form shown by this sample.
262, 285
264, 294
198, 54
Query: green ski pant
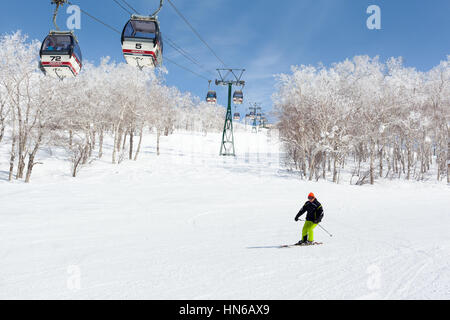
308, 230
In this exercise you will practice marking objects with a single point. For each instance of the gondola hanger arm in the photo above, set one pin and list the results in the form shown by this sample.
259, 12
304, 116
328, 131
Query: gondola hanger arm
55, 14
161, 3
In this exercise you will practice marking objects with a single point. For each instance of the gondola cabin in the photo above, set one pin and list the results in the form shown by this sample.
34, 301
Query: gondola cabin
61, 55
142, 44
238, 97
264, 121
211, 97
237, 116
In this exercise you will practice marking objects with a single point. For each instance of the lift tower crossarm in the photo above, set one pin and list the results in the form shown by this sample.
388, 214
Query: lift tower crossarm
224, 77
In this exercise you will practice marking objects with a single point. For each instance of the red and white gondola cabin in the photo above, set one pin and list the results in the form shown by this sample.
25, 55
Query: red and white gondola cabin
61, 55
142, 44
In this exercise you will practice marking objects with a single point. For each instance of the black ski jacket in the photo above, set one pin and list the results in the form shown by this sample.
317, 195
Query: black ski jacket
314, 209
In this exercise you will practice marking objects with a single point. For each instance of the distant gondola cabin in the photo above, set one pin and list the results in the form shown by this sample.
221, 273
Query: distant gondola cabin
238, 97
211, 97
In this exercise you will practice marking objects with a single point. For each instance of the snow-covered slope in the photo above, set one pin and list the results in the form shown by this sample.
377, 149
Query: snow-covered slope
192, 225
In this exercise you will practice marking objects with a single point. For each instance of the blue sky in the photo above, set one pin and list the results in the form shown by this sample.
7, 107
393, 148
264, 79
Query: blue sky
265, 37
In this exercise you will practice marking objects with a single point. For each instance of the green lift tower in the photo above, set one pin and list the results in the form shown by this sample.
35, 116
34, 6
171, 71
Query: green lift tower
229, 78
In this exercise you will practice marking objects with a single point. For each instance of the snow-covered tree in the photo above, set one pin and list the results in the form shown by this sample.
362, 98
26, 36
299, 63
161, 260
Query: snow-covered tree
392, 121
77, 114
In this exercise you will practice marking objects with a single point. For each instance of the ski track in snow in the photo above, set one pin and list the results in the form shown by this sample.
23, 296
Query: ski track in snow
192, 225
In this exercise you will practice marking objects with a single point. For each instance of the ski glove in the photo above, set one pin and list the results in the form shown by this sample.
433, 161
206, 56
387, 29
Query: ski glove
319, 219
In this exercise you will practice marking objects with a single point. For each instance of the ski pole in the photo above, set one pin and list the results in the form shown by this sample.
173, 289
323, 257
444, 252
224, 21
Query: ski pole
326, 231
321, 228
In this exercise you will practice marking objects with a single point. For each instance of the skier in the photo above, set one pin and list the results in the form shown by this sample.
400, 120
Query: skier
313, 218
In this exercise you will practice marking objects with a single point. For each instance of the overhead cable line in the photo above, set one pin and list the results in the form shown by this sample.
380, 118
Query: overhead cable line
195, 32
182, 51
98, 20
129, 6
182, 67
186, 55
121, 5
171, 43
117, 31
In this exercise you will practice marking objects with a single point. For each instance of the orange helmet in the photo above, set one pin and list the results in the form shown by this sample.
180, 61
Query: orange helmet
311, 195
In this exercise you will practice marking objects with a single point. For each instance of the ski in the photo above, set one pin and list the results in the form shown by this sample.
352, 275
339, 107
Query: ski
302, 245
